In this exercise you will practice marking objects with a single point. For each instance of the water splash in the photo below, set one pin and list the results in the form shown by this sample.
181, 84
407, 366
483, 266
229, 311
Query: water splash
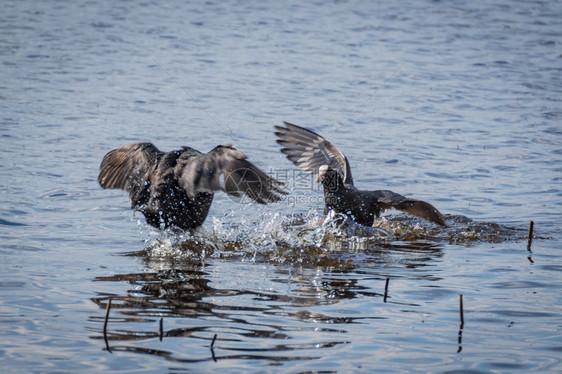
312, 240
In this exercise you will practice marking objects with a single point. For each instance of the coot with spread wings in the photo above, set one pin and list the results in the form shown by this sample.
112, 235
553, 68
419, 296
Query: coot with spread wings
176, 188
314, 154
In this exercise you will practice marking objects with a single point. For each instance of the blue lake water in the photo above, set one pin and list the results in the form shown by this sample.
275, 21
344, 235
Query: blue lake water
457, 103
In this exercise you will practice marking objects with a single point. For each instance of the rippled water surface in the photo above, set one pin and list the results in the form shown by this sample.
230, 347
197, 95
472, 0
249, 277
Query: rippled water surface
457, 103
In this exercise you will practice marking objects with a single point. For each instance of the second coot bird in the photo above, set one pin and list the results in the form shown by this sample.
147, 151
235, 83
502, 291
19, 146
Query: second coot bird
176, 188
314, 154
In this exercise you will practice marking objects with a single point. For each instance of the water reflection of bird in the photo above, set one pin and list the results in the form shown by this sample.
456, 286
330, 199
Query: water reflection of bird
176, 188
314, 154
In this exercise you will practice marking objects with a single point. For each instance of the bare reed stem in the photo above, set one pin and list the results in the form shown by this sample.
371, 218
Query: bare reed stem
461, 326
105, 320
530, 235
386, 289
211, 348
461, 309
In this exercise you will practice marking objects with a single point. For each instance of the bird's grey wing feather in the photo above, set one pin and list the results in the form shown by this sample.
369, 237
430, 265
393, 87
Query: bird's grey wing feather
125, 167
308, 150
226, 168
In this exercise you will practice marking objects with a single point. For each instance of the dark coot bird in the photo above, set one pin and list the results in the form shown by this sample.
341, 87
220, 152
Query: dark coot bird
176, 188
314, 154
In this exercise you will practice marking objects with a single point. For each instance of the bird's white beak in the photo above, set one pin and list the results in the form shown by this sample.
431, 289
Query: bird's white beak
321, 171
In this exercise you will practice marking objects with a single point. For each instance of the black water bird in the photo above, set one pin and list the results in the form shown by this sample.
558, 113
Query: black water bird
314, 154
176, 188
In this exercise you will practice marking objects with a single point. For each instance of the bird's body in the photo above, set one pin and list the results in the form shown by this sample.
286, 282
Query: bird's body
312, 153
364, 206
176, 188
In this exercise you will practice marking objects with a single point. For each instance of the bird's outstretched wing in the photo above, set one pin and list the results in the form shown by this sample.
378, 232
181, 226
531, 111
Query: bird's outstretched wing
125, 167
392, 200
308, 150
226, 168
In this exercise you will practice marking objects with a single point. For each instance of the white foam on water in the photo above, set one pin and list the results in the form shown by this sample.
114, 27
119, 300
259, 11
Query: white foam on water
273, 236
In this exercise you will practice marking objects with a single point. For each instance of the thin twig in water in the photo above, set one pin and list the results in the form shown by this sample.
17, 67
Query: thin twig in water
107, 309
461, 326
530, 235
386, 289
461, 308
460, 340
211, 348
161, 334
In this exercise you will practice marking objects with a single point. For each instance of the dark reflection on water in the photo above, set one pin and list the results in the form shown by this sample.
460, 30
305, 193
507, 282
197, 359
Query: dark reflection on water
210, 297
183, 291
182, 285
328, 264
